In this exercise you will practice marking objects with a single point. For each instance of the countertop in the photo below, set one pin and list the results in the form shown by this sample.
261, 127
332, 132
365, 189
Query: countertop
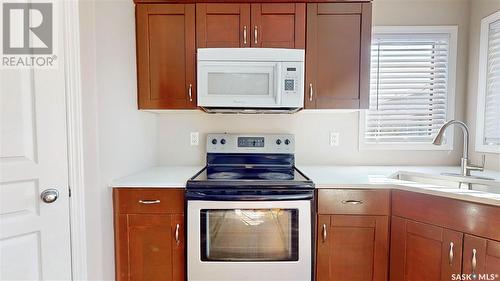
363, 177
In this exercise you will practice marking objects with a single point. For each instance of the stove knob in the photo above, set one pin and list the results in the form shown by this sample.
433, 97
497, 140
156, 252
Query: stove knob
223, 141
214, 141
287, 141
278, 141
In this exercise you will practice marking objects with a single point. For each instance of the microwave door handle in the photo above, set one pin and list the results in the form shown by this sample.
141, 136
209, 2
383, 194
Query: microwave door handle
278, 86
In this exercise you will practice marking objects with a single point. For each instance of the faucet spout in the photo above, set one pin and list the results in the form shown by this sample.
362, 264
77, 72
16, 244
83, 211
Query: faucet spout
438, 140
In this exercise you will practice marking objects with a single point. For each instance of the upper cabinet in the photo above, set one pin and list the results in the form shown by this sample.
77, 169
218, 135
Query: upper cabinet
337, 46
269, 25
222, 25
166, 56
338, 55
279, 25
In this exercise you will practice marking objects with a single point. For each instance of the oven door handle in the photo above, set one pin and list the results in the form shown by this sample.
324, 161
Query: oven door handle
207, 196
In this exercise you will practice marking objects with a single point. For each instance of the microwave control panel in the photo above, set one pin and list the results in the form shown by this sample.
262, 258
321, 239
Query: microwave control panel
291, 77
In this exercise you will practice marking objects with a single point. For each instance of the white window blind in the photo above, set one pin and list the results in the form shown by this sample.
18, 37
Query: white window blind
492, 100
408, 87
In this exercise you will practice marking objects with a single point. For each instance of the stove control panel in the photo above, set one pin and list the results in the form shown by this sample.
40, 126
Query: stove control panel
250, 143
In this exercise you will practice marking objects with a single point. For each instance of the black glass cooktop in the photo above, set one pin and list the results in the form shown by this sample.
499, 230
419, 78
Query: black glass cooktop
245, 175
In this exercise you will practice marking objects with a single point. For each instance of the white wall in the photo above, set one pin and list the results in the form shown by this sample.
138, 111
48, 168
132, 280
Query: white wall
312, 129
119, 139
478, 10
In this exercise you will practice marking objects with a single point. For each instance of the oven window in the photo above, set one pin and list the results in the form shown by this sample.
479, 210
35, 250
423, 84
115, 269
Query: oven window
249, 235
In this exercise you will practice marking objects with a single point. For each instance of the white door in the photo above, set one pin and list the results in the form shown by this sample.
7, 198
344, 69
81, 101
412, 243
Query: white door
34, 235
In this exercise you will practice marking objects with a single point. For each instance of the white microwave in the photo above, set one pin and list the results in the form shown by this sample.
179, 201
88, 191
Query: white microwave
250, 80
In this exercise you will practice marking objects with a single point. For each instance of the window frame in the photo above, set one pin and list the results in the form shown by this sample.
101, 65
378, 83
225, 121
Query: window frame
481, 85
452, 31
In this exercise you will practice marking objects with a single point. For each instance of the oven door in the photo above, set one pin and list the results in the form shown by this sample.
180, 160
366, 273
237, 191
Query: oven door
238, 84
249, 240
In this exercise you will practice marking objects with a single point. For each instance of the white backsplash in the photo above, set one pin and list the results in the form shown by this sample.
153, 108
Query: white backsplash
312, 135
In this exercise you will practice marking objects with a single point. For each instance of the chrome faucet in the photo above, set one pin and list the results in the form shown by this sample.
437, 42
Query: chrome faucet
466, 168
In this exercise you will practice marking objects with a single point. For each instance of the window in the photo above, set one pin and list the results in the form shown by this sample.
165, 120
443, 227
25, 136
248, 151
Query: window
488, 103
411, 88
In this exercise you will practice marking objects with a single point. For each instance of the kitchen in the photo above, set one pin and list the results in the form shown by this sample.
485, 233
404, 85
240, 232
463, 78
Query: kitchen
125, 145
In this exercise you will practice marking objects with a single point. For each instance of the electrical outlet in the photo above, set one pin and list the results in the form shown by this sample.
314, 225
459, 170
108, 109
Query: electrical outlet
195, 138
334, 138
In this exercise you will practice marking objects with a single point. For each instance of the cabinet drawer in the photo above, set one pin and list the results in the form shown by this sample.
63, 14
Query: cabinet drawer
148, 200
354, 201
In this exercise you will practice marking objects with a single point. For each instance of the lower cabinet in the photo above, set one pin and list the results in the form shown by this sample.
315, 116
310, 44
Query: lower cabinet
149, 234
435, 239
352, 247
482, 257
352, 235
422, 251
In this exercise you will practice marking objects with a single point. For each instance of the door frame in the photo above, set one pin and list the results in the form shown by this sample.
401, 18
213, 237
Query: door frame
74, 128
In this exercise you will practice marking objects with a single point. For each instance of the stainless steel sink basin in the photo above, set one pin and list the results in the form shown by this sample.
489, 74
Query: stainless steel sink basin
452, 180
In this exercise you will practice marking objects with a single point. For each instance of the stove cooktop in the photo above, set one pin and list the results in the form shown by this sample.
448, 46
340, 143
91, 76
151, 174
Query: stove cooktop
245, 176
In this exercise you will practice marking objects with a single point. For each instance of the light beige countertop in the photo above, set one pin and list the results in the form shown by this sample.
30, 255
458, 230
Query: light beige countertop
362, 177
159, 177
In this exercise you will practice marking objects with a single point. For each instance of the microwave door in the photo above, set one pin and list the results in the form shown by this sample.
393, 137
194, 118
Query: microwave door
238, 84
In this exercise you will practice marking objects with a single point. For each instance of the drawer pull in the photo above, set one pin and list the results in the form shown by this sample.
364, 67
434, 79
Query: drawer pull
245, 35
451, 253
352, 202
474, 261
149, 202
324, 233
190, 92
177, 234
255, 35
310, 91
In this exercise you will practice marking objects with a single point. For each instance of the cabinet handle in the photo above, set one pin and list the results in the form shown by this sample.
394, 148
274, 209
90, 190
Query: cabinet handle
310, 92
353, 202
255, 35
190, 92
245, 35
324, 233
177, 234
474, 261
148, 202
451, 253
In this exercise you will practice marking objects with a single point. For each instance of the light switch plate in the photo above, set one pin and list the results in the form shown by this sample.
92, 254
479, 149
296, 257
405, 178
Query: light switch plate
334, 138
195, 138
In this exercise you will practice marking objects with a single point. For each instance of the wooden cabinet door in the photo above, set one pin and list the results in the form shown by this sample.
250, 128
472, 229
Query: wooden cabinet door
166, 56
338, 55
222, 25
352, 247
481, 256
278, 25
422, 251
150, 247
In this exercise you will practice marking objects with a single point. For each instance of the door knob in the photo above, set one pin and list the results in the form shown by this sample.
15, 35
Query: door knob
49, 195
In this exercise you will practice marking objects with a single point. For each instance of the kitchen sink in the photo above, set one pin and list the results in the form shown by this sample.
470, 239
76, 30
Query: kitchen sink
452, 180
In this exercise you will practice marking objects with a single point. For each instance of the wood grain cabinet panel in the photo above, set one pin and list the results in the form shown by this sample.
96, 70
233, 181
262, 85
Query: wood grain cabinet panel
354, 202
166, 56
422, 251
220, 25
352, 235
352, 247
481, 256
338, 55
278, 25
148, 246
